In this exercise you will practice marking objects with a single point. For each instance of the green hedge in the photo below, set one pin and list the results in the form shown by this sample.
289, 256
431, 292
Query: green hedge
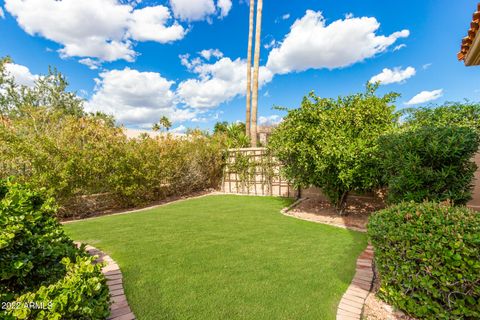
35, 262
32, 242
428, 259
81, 294
429, 163
74, 157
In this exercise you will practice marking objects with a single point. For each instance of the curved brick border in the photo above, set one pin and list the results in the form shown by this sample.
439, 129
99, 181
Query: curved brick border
351, 304
119, 309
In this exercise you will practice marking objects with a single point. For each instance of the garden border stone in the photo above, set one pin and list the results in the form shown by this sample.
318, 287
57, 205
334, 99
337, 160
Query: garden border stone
119, 309
353, 300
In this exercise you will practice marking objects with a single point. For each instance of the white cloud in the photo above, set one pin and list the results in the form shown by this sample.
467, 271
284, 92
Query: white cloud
270, 44
192, 10
21, 74
425, 96
102, 29
200, 9
207, 54
180, 129
91, 63
426, 66
270, 120
388, 76
224, 6
400, 46
217, 82
136, 98
189, 63
311, 44
286, 16
149, 24
2, 14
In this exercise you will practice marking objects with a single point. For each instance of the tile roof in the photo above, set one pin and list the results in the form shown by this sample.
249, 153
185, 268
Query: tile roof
472, 32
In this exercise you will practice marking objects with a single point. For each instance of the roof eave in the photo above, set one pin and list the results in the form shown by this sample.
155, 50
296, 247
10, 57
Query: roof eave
473, 55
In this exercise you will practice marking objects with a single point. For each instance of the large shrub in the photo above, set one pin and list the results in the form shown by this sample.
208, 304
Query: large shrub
153, 168
81, 294
32, 242
40, 264
457, 114
66, 154
332, 143
49, 141
429, 163
428, 259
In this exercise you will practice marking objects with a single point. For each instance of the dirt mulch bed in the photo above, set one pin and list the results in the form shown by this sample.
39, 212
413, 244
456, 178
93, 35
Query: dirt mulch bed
320, 210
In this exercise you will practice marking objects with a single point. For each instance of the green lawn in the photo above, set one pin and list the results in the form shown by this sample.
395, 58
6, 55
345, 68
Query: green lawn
226, 257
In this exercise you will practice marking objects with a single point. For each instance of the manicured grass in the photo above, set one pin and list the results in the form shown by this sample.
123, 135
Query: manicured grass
226, 257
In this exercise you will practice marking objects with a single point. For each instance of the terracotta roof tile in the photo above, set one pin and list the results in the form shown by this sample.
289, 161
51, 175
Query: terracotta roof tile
472, 32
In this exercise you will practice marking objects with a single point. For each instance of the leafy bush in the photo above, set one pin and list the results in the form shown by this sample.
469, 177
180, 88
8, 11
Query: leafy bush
81, 294
153, 168
453, 114
74, 157
430, 163
234, 133
428, 259
32, 242
49, 141
332, 143
35, 265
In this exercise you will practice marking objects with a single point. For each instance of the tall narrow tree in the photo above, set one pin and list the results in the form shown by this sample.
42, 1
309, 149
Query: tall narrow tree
256, 62
249, 68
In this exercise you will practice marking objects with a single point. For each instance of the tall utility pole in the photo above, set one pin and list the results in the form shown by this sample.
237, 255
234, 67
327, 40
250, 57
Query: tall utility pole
256, 63
249, 68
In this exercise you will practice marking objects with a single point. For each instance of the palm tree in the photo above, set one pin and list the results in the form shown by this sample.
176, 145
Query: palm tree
249, 67
156, 127
163, 123
256, 62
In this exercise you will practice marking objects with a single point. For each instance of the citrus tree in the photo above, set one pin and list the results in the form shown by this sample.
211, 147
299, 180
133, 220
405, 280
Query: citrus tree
332, 143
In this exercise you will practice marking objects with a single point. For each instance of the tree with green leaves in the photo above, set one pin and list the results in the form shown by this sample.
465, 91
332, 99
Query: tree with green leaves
163, 123
466, 114
220, 127
234, 133
49, 92
332, 143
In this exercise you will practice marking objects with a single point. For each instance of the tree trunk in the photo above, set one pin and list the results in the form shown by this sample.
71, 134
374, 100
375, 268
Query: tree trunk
342, 204
256, 62
249, 68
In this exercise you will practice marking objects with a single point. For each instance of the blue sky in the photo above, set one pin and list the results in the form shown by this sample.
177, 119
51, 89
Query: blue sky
135, 51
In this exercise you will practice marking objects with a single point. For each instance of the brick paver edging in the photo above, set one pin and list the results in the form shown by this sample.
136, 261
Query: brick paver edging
351, 304
119, 309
